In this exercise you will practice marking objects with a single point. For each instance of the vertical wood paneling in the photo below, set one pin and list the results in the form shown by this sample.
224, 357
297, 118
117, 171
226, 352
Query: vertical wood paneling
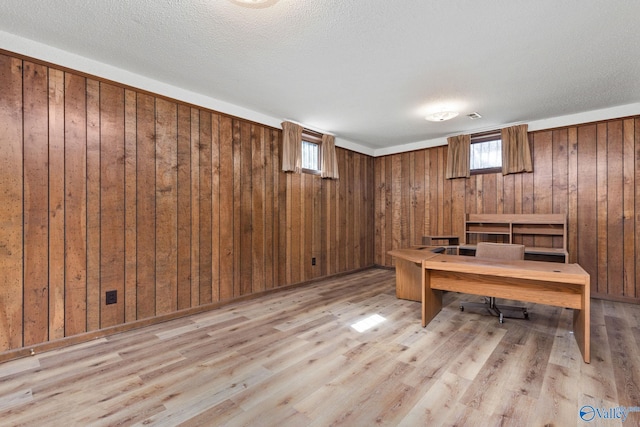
341, 213
11, 210
226, 208
244, 195
587, 202
236, 223
628, 206
146, 207
294, 211
215, 207
396, 197
615, 241
56, 204
543, 181
184, 207
111, 202
404, 174
130, 202
589, 172
318, 225
170, 205
602, 199
195, 207
276, 222
269, 172
559, 176
379, 253
284, 229
572, 209
166, 206
257, 208
636, 216
75, 213
356, 195
434, 191
206, 274
93, 205
388, 218
303, 231
36, 208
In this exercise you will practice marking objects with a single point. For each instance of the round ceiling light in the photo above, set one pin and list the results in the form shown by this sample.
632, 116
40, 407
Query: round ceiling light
441, 116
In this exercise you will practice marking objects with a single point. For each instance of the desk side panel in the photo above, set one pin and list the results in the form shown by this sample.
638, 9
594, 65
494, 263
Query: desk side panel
431, 299
408, 280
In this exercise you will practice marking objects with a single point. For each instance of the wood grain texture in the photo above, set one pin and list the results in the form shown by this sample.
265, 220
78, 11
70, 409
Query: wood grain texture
93, 205
195, 206
75, 213
36, 208
226, 209
205, 241
130, 201
56, 204
586, 171
11, 208
175, 207
166, 198
111, 203
292, 358
183, 200
146, 207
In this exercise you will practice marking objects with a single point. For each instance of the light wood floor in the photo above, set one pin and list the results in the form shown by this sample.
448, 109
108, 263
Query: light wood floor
292, 359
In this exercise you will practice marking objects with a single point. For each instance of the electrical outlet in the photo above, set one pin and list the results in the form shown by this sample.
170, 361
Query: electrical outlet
313, 261
111, 297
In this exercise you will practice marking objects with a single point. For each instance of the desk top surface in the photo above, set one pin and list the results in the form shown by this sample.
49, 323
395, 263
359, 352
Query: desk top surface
414, 254
535, 270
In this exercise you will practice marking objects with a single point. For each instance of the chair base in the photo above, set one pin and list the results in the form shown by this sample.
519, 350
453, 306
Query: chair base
489, 304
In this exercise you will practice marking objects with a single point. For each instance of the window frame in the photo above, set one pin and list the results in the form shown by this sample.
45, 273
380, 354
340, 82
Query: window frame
488, 136
312, 138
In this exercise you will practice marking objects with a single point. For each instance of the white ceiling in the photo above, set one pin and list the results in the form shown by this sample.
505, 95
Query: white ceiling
367, 71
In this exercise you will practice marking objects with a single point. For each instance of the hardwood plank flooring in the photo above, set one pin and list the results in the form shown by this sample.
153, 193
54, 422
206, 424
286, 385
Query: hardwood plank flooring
292, 358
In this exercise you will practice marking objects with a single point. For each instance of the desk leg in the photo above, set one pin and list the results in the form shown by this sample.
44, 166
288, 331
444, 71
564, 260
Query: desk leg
431, 299
582, 328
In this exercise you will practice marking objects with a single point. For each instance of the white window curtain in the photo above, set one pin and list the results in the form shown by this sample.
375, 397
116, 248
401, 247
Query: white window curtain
291, 147
329, 162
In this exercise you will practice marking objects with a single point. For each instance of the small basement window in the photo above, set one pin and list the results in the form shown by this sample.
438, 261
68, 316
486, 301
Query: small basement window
486, 152
311, 158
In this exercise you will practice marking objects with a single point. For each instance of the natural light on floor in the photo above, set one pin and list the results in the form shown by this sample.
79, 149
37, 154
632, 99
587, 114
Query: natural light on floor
368, 323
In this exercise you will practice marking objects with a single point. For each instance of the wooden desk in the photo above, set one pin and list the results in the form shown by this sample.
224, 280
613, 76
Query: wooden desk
433, 240
409, 271
562, 285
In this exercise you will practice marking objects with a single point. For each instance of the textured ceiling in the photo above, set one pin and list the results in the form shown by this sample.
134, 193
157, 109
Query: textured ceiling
367, 71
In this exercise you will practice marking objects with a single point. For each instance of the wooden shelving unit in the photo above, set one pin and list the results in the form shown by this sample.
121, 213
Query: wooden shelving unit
544, 235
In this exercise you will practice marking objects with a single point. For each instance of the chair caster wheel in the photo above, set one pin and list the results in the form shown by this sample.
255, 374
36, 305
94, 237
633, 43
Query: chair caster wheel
526, 316
462, 308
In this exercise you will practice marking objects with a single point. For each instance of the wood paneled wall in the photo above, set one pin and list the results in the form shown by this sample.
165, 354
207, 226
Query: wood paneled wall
590, 172
104, 187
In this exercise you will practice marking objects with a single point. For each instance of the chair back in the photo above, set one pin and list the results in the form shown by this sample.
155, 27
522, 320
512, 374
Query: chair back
505, 251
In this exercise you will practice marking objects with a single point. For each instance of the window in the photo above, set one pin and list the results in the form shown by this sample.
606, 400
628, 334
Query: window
311, 159
486, 152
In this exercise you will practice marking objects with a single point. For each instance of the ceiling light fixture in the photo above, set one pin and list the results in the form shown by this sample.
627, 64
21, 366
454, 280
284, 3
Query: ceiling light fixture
441, 116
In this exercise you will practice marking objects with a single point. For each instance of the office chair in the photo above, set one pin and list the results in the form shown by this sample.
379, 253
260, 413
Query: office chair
501, 251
